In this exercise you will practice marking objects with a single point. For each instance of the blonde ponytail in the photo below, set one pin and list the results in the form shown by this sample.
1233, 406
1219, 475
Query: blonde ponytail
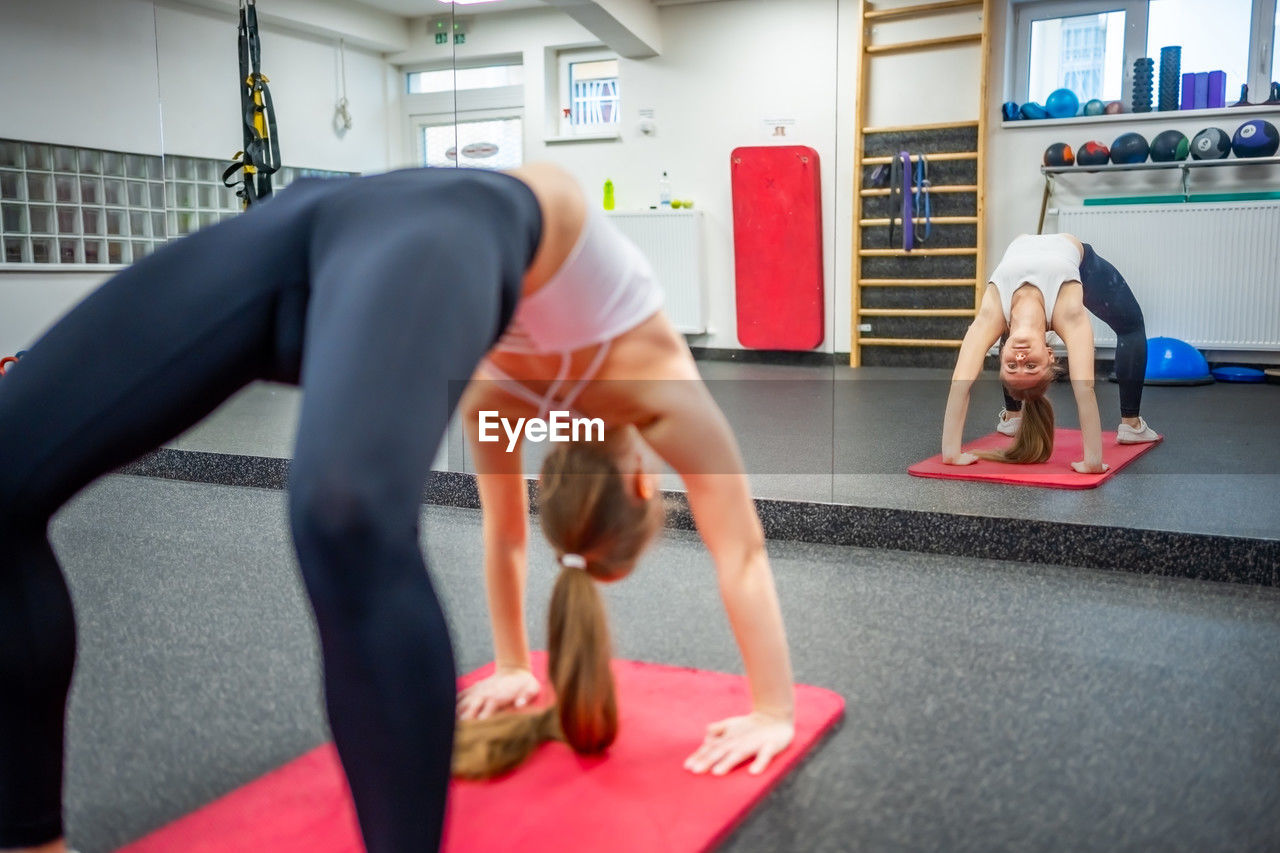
586, 512
578, 655
1033, 442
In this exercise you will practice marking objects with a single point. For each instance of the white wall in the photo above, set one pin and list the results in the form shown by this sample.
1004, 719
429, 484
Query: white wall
198, 69
725, 67
79, 73
94, 75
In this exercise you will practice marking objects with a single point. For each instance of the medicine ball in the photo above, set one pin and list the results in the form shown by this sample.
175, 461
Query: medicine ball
1113, 108
1129, 148
1094, 107
1212, 143
1169, 146
1255, 138
1059, 154
1093, 154
1062, 103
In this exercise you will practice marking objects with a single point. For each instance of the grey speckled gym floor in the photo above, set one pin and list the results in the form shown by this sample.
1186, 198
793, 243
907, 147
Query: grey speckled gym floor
991, 705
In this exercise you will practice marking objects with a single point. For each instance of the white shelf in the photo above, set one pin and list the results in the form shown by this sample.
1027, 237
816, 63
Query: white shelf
65, 268
583, 137
1154, 115
1183, 165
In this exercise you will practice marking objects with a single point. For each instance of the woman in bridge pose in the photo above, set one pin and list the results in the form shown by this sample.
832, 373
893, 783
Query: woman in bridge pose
1050, 282
379, 296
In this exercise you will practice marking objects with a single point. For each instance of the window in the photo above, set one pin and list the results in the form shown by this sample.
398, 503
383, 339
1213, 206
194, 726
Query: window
1214, 36
447, 79
1083, 53
495, 143
593, 92
1089, 46
479, 124
590, 96
1275, 37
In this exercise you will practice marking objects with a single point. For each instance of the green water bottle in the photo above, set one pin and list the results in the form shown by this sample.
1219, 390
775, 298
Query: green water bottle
608, 194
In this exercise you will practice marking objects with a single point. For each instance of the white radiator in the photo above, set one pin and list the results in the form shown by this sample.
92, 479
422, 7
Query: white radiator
672, 241
1206, 273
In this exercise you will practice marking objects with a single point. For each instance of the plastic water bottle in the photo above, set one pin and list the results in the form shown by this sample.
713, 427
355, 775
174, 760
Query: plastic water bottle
664, 192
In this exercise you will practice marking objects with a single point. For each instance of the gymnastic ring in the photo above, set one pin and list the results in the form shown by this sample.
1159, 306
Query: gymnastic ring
4, 361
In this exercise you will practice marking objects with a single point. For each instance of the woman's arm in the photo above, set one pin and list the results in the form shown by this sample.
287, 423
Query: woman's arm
984, 331
505, 506
694, 437
1071, 322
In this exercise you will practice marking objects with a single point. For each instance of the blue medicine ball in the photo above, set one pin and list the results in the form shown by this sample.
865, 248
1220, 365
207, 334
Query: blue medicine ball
1062, 103
1130, 148
1257, 138
1094, 107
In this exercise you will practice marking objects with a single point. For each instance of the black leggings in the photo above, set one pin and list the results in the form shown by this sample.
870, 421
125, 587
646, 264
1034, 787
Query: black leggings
378, 295
1108, 297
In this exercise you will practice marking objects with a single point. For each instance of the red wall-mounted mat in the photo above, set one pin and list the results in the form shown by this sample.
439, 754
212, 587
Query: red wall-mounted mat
638, 797
777, 246
1056, 473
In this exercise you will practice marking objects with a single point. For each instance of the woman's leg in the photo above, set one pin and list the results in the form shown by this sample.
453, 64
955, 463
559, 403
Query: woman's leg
1108, 297
139, 360
406, 300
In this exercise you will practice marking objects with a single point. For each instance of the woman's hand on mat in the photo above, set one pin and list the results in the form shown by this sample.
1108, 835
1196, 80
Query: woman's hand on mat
730, 742
960, 459
508, 687
1083, 467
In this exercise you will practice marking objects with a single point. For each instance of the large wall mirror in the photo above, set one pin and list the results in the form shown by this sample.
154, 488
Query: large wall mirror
721, 135
651, 100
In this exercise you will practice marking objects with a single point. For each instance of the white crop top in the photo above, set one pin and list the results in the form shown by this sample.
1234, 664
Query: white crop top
605, 287
1046, 261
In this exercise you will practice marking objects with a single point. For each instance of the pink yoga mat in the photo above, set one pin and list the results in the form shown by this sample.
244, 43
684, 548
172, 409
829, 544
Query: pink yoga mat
638, 797
1056, 473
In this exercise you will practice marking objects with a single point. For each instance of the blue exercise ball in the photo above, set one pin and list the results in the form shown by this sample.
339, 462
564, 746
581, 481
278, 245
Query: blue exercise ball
1174, 362
1062, 103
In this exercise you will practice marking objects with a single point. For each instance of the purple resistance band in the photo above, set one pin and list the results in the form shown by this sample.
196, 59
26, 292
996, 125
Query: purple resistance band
908, 226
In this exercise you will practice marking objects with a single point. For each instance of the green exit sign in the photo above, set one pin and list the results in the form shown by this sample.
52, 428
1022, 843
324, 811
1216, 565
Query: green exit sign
459, 38
442, 38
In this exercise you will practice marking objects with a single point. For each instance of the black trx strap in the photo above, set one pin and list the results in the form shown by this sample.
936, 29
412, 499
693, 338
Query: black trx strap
895, 194
260, 158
